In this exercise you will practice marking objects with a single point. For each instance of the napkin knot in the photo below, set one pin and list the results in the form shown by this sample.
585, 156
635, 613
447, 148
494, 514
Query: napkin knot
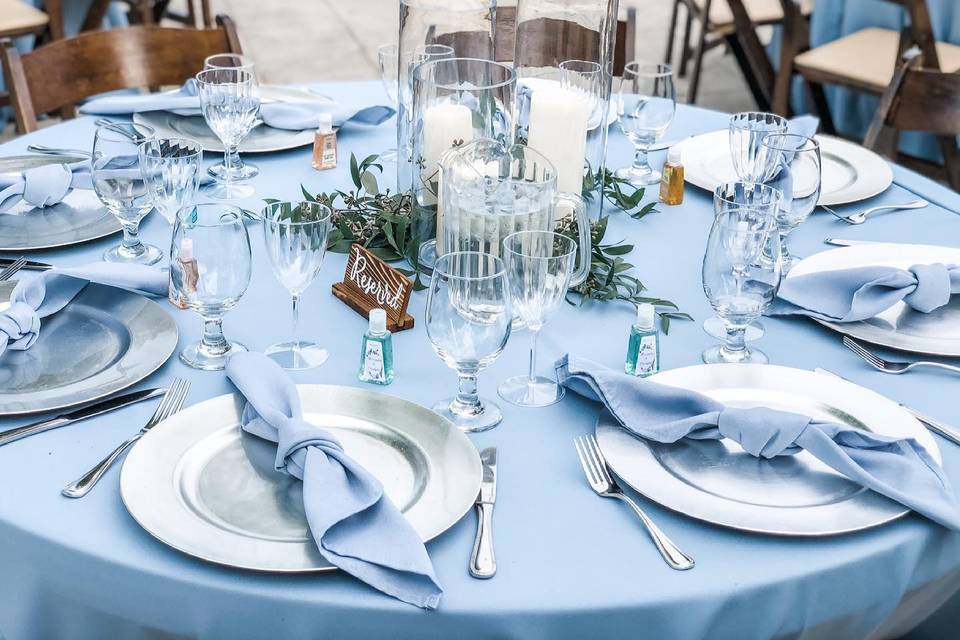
294, 435
933, 287
762, 432
19, 326
47, 185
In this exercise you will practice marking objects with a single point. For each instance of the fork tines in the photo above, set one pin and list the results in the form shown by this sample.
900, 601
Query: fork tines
171, 403
12, 268
860, 350
593, 463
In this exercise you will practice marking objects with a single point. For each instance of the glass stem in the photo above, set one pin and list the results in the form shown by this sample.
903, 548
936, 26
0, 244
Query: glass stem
533, 356
229, 163
296, 323
736, 344
131, 239
467, 397
213, 342
640, 159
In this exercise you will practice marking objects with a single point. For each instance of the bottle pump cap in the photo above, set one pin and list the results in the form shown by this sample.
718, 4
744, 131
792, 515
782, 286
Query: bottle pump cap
673, 156
645, 316
378, 321
326, 123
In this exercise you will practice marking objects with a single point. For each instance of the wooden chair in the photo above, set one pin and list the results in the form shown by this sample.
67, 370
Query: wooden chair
717, 26
920, 99
150, 12
64, 72
865, 60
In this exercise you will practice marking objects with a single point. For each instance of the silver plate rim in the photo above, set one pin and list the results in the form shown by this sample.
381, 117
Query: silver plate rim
159, 120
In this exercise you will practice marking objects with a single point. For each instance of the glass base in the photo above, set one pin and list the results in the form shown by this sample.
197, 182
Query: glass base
195, 357
717, 355
224, 191
120, 254
638, 177
788, 262
296, 356
715, 328
524, 392
488, 417
243, 172
427, 256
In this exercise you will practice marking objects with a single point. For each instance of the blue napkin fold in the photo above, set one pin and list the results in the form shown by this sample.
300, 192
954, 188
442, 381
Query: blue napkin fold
353, 522
43, 186
805, 125
850, 295
899, 469
36, 298
294, 116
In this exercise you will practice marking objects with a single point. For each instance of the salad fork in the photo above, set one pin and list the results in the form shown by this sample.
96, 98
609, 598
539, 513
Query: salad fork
891, 367
603, 484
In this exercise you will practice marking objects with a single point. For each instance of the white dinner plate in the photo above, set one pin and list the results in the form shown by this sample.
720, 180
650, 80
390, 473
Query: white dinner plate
200, 484
716, 481
899, 327
850, 172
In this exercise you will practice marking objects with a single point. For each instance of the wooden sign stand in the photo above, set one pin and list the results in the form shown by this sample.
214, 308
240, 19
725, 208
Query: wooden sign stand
369, 282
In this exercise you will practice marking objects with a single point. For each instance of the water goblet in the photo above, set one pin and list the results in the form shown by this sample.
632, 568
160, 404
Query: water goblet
468, 320
295, 234
741, 276
210, 265
240, 170
120, 186
171, 169
791, 165
646, 103
230, 102
539, 266
746, 131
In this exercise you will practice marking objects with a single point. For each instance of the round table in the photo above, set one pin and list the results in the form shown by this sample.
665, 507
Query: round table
570, 564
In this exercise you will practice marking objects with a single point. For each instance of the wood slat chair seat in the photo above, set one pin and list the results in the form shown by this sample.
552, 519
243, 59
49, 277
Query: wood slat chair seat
18, 18
865, 59
761, 12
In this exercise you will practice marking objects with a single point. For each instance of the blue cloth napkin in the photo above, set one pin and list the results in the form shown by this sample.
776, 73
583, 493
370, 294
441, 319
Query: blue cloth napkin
900, 469
36, 298
805, 125
43, 186
295, 116
850, 295
353, 522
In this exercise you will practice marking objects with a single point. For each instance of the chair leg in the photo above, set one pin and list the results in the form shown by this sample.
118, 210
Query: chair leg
760, 96
951, 160
821, 107
668, 58
697, 63
685, 51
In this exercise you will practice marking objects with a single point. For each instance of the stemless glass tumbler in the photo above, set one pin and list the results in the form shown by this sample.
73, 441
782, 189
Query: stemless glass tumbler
171, 168
119, 184
210, 265
468, 318
295, 234
646, 103
746, 131
539, 266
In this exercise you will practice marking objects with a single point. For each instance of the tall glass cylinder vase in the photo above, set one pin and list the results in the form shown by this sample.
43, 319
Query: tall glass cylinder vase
563, 59
465, 25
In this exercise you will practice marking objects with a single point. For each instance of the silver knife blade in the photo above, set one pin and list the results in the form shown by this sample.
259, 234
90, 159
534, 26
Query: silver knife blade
840, 242
488, 486
96, 409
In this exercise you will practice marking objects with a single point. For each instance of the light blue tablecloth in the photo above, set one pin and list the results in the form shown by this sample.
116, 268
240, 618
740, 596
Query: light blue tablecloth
570, 565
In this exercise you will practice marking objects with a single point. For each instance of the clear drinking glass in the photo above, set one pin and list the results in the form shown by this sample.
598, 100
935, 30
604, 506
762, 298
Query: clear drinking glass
295, 234
587, 79
539, 266
230, 101
239, 171
171, 168
210, 265
791, 165
468, 318
741, 276
120, 186
388, 62
746, 131
646, 103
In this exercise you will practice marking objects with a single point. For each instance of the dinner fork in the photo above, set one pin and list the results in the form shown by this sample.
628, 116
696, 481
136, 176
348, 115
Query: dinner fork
9, 271
171, 403
861, 216
891, 367
598, 475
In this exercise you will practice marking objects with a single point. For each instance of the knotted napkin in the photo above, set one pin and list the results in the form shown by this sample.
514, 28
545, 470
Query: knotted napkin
898, 468
43, 186
294, 116
354, 524
850, 295
36, 298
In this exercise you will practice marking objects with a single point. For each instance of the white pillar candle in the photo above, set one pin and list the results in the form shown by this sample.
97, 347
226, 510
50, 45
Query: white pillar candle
444, 125
558, 130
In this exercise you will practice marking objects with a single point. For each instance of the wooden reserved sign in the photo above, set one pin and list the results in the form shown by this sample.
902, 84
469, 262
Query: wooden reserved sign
369, 282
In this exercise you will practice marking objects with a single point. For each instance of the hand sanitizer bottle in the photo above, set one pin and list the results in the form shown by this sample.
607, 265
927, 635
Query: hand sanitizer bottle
376, 357
643, 353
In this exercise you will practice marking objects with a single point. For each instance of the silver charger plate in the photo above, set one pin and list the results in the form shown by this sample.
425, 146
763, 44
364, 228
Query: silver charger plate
80, 217
899, 327
16, 164
850, 172
718, 482
202, 485
104, 340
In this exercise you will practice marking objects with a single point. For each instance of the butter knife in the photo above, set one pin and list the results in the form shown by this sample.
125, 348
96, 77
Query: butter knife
950, 433
96, 409
483, 564
840, 242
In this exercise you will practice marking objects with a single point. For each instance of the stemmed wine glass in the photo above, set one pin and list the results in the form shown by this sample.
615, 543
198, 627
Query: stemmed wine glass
295, 234
210, 264
171, 169
230, 101
791, 165
646, 103
746, 131
240, 170
468, 320
120, 186
539, 266
741, 276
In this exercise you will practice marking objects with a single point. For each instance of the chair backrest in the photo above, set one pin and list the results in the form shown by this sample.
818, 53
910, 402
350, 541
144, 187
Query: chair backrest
61, 73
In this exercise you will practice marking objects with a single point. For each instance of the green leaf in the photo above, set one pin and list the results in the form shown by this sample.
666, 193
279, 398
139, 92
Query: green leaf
355, 171
369, 182
306, 194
